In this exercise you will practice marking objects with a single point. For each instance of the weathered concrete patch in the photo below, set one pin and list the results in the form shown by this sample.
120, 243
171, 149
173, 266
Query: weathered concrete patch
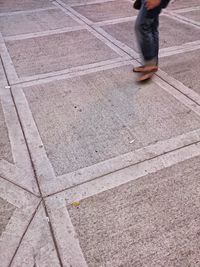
6, 211
57, 52
35, 22
107, 10
183, 67
89, 119
152, 221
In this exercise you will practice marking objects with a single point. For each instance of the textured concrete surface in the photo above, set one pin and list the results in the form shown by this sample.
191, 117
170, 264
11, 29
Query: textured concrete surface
6, 211
175, 36
100, 114
107, 10
35, 22
124, 32
184, 68
104, 170
153, 221
22, 5
57, 52
179, 4
37, 247
5, 149
194, 15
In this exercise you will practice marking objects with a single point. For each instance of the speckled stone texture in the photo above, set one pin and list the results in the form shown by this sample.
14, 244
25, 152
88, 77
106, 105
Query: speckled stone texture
89, 119
151, 222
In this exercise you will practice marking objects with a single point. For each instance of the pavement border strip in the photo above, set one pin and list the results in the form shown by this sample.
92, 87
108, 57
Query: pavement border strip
64, 230
84, 71
182, 19
164, 52
44, 33
36, 147
129, 174
108, 43
68, 13
114, 21
18, 177
7, 62
56, 74
185, 19
184, 10
26, 11
121, 45
186, 92
90, 2
43, 168
26, 205
18, 146
121, 162
73, 12
184, 98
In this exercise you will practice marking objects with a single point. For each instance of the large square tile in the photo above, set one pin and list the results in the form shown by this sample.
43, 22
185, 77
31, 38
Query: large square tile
86, 120
23, 5
35, 22
171, 33
107, 10
153, 221
56, 52
184, 67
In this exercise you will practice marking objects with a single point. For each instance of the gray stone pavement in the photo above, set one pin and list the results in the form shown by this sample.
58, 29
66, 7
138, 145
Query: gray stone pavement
95, 169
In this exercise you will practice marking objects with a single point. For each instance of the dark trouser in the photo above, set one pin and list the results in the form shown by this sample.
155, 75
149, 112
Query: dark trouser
147, 33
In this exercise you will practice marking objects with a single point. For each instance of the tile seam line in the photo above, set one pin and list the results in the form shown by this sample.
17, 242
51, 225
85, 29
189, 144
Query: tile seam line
120, 169
22, 237
18, 83
94, 28
19, 186
32, 165
181, 18
171, 84
129, 54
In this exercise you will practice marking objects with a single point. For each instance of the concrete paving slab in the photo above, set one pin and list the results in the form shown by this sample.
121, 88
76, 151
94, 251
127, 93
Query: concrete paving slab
124, 32
184, 67
23, 5
179, 4
89, 119
194, 15
33, 22
153, 221
5, 147
107, 10
6, 212
57, 52
37, 247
